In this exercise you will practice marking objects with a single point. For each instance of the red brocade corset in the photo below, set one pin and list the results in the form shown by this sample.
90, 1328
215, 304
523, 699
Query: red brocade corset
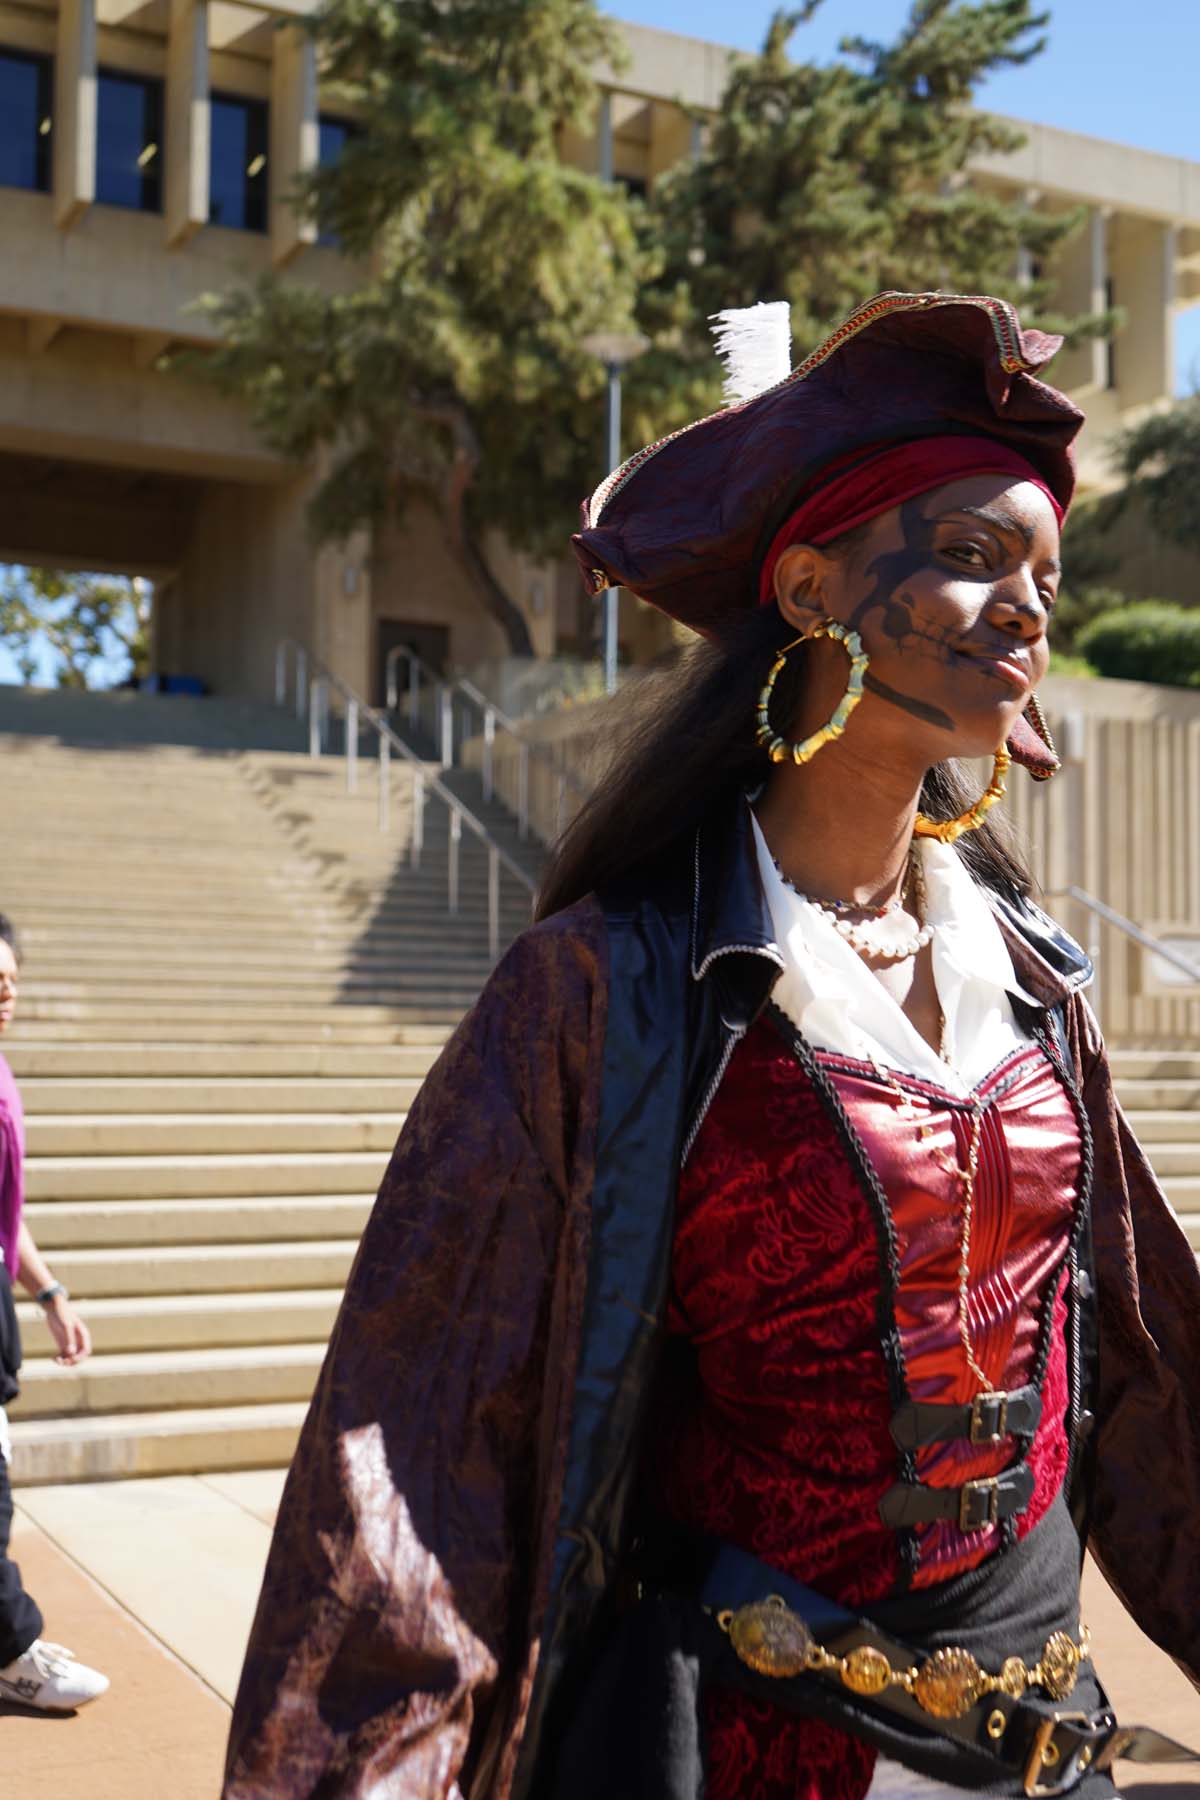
799, 1284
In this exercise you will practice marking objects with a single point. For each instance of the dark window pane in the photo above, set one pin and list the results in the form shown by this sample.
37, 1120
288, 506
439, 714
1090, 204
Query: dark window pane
24, 121
129, 151
334, 135
238, 163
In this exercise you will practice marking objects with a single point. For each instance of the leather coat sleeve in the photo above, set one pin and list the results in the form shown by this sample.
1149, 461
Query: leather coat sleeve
400, 1597
1145, 1504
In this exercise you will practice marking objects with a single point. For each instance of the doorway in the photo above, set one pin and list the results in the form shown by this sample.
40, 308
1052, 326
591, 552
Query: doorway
430, 642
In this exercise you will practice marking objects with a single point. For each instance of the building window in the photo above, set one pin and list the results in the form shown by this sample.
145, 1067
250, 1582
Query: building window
25, 121
238, 163
129, 153
1110, 349
333, 136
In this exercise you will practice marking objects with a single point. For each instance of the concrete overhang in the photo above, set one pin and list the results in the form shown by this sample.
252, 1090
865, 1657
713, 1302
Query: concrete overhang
691, 72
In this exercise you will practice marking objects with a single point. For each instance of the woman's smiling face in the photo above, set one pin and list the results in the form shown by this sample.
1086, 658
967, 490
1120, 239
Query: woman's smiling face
951, 593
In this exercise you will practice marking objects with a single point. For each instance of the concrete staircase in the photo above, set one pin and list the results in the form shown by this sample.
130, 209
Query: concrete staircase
233, 986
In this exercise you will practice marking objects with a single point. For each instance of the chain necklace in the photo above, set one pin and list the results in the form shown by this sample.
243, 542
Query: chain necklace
964, 1173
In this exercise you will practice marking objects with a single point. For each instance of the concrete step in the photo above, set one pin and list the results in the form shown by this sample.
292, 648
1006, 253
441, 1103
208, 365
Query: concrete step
1173, 1160
93, 1224
205, 1269
340, 1030
1158, 1096
267, 992
1190, 1221
107, 1448
411, 1054
1155, 1065
48, 1098
68, 1178
205, 1134
162, 1380
195, 1321
1182, 1190
1166, 1127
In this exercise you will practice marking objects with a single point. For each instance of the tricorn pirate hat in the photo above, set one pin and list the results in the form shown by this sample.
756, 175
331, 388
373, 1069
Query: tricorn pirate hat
687, 523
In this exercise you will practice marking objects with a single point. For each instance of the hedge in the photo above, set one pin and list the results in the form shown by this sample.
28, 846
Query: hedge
1147, 640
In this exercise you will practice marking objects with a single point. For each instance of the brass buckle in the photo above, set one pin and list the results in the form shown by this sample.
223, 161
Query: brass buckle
1044, 1753
980, 1432
988, 1485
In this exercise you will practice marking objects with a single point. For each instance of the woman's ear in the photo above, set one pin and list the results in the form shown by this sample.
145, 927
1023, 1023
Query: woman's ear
801, 580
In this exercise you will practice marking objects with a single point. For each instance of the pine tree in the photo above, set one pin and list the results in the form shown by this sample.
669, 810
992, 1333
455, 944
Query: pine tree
1159, 465
823, 184
455, 372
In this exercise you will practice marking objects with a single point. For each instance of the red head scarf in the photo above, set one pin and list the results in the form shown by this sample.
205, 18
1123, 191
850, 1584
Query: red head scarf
845, 497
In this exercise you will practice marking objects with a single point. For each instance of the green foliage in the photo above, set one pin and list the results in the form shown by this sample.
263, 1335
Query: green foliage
1151, 640
1064, 663
1159, 464
85, 620
823, 184
455, 371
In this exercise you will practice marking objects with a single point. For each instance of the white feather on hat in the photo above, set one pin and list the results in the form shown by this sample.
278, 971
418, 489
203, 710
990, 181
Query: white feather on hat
755, 344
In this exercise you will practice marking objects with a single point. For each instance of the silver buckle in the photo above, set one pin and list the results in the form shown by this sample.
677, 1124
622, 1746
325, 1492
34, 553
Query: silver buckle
980, 1432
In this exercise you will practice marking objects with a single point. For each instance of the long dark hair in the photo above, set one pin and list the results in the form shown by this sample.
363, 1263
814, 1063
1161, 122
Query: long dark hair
689, 745
8, 935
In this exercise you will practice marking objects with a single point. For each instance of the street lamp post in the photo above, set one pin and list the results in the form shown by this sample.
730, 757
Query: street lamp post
615, 349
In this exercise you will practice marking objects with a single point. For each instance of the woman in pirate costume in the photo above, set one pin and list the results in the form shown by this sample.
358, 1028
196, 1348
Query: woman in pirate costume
766, 1301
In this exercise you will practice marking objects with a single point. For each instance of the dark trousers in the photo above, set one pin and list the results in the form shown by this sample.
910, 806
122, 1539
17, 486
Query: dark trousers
20, 1620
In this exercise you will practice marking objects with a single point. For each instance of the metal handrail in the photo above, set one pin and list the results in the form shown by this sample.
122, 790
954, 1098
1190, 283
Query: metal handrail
314, 681
1112, 917
494, 718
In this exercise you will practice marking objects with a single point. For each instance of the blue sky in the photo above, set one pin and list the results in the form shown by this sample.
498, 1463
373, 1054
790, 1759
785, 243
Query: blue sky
1113, 69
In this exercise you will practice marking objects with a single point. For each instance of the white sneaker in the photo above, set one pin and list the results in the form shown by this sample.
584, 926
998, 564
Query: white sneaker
48, 1676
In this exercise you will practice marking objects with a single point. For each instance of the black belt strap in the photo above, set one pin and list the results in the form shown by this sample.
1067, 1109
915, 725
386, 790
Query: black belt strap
979, 1503
988, 1420
1047, 1749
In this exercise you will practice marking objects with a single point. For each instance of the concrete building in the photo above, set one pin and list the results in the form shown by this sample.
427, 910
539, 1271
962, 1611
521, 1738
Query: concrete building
147, 148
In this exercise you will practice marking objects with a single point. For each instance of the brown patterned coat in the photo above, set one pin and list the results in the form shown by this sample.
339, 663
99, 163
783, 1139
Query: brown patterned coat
423, 1542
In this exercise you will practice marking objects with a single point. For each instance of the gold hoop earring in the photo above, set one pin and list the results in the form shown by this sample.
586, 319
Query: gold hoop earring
947, 831
807, 748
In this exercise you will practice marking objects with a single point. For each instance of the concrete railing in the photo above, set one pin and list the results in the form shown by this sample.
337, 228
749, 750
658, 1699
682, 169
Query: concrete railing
315, 689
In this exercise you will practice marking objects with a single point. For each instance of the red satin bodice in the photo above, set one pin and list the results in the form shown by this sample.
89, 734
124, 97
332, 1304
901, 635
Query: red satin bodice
787, 1279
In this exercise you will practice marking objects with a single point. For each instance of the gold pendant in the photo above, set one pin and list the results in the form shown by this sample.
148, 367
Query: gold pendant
1059, 1666
949, 1684
770, 1638
866, 1670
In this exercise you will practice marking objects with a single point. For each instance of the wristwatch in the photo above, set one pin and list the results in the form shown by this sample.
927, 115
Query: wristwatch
51, 1293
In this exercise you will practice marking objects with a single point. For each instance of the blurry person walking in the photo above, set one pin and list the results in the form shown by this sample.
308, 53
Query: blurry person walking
33, 1672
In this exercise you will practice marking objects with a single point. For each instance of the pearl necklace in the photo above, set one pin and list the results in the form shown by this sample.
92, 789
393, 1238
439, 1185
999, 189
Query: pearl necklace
861, 937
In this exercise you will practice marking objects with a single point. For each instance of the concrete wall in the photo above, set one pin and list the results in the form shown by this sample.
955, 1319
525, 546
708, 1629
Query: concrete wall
247, 578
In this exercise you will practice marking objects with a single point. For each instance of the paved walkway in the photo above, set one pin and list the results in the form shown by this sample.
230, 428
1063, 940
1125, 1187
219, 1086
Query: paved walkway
155, 1582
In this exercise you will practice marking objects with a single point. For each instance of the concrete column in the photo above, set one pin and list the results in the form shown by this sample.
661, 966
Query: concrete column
295, 138
1170, 265
74, 111
1098, 287
188, 120
604, 138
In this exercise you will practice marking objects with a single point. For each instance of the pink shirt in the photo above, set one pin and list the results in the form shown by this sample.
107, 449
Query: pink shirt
12, 1158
